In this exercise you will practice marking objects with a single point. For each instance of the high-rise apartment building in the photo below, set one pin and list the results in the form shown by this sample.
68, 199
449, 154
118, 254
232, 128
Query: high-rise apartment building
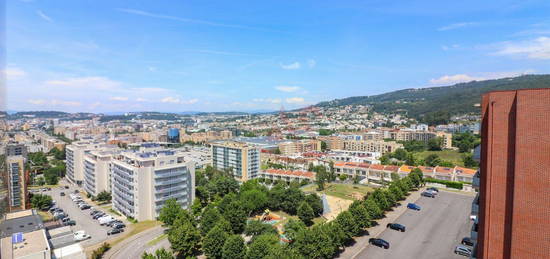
15, 149
242, 159
97, 173
17, 180
142, 181
74, 154
173, 135
299, 146
514, 179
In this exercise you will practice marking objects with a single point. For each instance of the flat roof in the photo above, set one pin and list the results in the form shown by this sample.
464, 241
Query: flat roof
19, 214
22, 224
33, 242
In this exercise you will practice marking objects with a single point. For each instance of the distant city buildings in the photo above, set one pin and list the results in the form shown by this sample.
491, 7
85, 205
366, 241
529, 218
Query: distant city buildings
173, 135
299, 146
513, 205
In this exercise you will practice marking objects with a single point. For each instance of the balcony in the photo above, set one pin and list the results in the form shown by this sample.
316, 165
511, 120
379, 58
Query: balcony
182, 180
475, 205
171, 189
173, 196
473, 232
475, 181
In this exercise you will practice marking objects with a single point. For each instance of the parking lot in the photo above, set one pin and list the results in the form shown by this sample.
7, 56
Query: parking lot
82, 217
432, 232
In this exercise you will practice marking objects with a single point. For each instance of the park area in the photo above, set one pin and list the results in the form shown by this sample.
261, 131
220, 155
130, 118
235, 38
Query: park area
341, 190
452, 156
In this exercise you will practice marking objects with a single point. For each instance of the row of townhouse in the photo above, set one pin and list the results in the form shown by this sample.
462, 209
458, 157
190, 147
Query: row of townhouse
384, 172
287, 175
140, 180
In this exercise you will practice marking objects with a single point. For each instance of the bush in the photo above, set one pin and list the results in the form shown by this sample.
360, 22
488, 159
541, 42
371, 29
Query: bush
98, 253
448, 184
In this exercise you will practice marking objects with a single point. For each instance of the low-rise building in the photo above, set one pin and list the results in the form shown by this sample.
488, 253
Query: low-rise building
287, 175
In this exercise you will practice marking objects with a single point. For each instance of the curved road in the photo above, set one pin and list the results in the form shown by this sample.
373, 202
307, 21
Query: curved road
135, 246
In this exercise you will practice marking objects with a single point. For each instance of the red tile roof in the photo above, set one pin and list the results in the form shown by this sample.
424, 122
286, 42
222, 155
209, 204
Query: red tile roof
443, 170
464, 171
291, 173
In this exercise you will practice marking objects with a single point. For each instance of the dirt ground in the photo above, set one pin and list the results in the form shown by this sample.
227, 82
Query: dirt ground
336, 205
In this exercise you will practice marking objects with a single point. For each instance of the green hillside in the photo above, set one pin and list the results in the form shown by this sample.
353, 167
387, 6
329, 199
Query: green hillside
446, 100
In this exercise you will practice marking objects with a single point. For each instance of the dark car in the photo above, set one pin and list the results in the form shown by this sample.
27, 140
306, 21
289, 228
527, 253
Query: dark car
467, 241
66, 187
413, 206
119, 225
93, 212
98, 215
62, 193
115, 231
396, 226
85, 207
428, 194
114, 222
65, 219
75, 191
379, 242
69, 223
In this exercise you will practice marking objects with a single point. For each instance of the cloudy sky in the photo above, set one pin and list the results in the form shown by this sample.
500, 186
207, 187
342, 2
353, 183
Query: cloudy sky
103, 56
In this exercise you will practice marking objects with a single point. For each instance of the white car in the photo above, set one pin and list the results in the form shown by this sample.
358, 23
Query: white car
473, 217
80, 235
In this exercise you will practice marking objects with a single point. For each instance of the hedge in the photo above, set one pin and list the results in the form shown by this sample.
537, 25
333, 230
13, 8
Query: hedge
449, 184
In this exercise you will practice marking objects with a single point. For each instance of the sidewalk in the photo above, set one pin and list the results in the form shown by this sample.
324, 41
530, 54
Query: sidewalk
391, 216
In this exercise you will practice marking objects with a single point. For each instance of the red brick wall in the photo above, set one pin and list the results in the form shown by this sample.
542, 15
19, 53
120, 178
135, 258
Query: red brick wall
515, 175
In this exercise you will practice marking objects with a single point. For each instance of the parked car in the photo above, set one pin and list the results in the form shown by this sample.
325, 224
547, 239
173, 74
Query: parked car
115, 231
66, 187
396, 226
65, 219
119, 225
93, 212
413, 206
62, 194
80, 235
69, 223
473, 217
428, 194
463, 250
114, 222
432, 189
98, 215
85, 207
467, 241
59, 216
379, 242
106, 219
75, 191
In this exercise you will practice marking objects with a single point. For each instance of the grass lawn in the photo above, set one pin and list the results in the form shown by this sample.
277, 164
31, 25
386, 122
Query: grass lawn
157, 239
341, 190
452, 156
135, 229
34, 187
46, 216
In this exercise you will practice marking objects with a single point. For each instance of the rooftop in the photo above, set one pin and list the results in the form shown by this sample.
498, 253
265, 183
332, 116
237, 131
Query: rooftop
32, 243
292, 173
21, 222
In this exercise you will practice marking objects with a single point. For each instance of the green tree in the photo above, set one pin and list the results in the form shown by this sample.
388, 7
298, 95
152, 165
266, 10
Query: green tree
433, 160
213, 242
469, 161
104, 196
209, 218
410, 159
324, 146
315, 203
417, 177
256, 228
261, 246
400, 154
169, 212
159, 254
435, 144
41, 201
236, 215
305, 213
381, 200
373, 209
234, 247
184, 238
253, 201
360, 214
346, 221
315, 243
292, 227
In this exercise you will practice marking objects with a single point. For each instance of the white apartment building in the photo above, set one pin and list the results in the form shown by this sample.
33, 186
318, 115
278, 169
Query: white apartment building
241, 158
74, 154
97, 173
143, 180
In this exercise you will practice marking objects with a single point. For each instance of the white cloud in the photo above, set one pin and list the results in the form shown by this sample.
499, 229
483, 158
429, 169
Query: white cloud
295, 100
456, 26
311, 63
461, 78
267, 100
95, 82
288, 89
14, 73
139, 99
36, 101
292, 66
64, 103
192, 101
538, 48
177, 100
118, 98
44, 16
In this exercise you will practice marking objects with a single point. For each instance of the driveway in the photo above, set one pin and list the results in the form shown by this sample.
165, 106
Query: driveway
432, 232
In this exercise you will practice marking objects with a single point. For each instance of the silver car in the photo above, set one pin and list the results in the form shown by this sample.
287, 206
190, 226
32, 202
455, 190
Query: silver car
463, 250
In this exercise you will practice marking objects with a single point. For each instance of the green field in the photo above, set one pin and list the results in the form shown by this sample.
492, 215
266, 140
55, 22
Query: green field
452, 156
341, 190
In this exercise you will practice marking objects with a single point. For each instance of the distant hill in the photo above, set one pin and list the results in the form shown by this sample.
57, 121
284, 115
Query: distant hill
421, 103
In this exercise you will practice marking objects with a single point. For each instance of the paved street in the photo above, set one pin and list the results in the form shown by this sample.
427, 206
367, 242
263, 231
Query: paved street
432, 232
136, 245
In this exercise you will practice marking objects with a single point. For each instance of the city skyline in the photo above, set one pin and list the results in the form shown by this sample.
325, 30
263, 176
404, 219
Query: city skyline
197, 56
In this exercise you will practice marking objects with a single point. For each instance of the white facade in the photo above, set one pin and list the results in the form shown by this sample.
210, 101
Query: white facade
142, 181
97, 173
74, 154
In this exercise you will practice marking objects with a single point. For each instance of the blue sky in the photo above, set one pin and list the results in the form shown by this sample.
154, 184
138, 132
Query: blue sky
106, 56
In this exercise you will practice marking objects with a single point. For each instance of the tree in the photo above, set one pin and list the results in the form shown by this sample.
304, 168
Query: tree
320, 177
104, 196
360, 214
410, 160
414, 145
253, 200
381, 200
305, 213
226, 200
41, 201
400, 154
346, 221
196, 207
213, 242
236, 215
433, 160
324, 146
469, 161
159, 254
170, 212
315, 203
40, 181
261, 246
435, 144
184, 238
315, 243
256, 228
417, 177
343, 177
292, 227
209, 218
373, 209
234, 247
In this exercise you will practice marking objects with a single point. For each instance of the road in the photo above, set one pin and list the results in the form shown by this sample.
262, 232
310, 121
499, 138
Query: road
135, 246
432, 232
